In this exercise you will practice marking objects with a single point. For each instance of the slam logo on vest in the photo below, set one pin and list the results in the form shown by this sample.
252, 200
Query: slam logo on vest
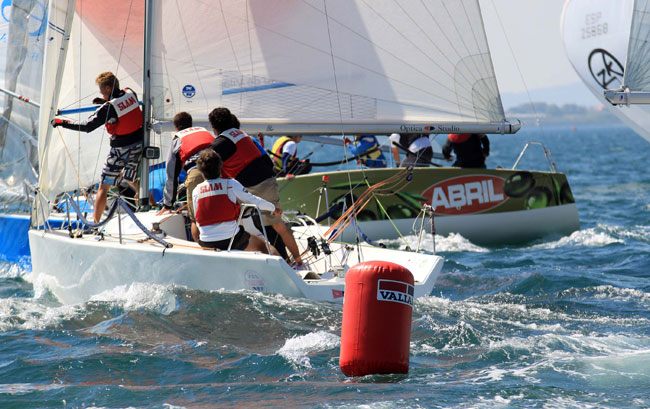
466, 194
395, 291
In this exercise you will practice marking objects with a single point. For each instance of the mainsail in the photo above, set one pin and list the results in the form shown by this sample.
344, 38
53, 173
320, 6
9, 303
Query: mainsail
304, 66
325, 67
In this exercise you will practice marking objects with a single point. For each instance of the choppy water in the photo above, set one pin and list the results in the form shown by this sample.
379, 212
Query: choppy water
559, 323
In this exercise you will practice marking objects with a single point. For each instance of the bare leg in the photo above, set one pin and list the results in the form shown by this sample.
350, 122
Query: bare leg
257, 244
195, 231
289, 240
100, 201
136, 187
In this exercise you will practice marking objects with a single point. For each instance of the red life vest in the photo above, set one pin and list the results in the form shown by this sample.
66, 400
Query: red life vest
459, 137
213, 204
193, 140
129, 115
246, 152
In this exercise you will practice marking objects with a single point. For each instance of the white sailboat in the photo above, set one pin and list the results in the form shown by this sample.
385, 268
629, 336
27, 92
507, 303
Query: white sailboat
605, 43
83, 42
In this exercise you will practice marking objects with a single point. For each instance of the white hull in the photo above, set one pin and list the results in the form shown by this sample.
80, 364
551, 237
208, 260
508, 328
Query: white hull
488, 229
76, 269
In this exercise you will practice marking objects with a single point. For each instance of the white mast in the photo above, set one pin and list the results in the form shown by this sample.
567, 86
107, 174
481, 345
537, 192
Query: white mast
146, 100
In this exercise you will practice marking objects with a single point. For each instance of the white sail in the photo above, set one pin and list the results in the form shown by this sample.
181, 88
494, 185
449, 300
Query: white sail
71, 159
22, 29
382, 66
637, 73
596, 35
311, 62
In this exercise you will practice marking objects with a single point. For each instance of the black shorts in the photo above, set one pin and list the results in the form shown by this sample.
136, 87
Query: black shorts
240, 243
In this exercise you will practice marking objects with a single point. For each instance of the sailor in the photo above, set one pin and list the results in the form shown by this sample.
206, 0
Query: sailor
245, 161
362, 144
418, 146
186, 144
216, 201
120, 113
284, 152
471, 149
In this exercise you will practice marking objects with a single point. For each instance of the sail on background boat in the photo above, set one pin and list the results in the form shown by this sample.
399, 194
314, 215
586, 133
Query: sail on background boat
596, 36
22, 29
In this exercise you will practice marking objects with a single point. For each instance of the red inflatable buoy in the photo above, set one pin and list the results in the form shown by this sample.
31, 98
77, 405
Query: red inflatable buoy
377, 310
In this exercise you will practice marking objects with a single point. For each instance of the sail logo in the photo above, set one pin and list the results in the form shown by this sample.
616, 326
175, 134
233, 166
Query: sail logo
395, 291
466, 194
189, 91
36, 20
605, 68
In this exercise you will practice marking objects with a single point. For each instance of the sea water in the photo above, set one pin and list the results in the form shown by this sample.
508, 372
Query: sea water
562, 322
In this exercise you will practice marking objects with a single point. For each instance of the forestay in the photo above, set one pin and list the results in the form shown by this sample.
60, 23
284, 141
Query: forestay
326, 66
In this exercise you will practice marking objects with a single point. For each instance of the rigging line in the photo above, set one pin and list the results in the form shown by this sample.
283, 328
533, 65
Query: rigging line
460, 35
74, 168
417, 87
250, 49
423, 52
338, 98
381, 206
189, 50
232, 46
521, 76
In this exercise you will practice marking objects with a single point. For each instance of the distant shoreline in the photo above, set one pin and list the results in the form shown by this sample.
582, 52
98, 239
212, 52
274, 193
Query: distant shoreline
568, 114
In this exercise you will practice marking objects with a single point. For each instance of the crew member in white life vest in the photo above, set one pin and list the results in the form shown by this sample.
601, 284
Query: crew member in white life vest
247, 162
186, 144
217, 208
121, 114
418, 145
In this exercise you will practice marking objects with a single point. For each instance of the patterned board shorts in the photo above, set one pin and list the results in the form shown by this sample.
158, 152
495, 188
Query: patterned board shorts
125, 158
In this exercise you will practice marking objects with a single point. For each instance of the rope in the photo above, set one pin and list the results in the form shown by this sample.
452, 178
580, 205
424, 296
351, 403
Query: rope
67, 151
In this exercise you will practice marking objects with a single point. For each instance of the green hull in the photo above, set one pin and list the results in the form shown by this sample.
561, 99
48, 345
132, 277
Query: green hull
467, 201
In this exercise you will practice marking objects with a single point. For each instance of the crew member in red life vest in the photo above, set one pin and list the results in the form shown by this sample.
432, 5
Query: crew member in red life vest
186, 144
246, 162
120, 113
471, 149
217, 209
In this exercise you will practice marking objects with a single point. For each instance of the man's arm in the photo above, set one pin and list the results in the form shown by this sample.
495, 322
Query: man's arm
446, 149
101, 116
486, 145
245, 196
